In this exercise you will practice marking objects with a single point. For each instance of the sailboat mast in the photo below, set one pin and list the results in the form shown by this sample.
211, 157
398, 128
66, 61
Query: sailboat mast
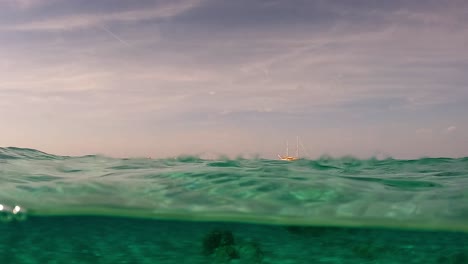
287, 148
297, 146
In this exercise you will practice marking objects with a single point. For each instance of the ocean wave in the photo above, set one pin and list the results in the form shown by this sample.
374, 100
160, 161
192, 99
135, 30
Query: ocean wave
425, 193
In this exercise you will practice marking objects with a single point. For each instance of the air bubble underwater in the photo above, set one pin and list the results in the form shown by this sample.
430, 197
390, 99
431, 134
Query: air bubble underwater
10, 214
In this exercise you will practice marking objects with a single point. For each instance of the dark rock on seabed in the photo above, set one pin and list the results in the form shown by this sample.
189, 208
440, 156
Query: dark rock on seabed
220, 245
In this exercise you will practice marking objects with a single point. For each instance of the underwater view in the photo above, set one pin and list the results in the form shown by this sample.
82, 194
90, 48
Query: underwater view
96, 209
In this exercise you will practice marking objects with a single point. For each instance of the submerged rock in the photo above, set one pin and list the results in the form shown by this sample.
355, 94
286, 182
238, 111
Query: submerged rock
250, 252
225, 254
217, 239
220, 246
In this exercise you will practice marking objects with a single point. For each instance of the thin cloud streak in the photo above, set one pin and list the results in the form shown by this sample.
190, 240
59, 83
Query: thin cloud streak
79, 21
114, 35
26, 4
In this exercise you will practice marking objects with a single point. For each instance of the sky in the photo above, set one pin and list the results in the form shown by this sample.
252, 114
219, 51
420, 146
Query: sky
218, 77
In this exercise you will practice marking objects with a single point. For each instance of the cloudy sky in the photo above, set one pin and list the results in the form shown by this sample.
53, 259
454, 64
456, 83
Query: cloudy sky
168, 77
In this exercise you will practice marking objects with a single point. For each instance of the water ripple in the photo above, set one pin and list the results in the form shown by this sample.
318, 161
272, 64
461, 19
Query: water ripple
424, 193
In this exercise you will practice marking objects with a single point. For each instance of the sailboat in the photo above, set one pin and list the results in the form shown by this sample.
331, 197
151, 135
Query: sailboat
290, 158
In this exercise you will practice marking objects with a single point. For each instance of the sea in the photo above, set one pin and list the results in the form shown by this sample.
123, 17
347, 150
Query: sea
97, 209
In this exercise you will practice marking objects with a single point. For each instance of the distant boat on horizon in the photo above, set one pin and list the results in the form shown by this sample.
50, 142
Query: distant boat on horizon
290, 158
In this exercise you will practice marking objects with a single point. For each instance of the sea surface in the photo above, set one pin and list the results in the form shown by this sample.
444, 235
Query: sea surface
96, 209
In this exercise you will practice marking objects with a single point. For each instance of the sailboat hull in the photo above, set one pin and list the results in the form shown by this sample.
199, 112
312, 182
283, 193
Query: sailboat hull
287, 157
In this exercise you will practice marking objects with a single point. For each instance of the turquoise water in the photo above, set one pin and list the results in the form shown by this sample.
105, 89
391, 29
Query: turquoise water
96, 209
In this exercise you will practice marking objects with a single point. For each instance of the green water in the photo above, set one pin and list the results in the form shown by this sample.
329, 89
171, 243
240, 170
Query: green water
82, 239
95, 209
